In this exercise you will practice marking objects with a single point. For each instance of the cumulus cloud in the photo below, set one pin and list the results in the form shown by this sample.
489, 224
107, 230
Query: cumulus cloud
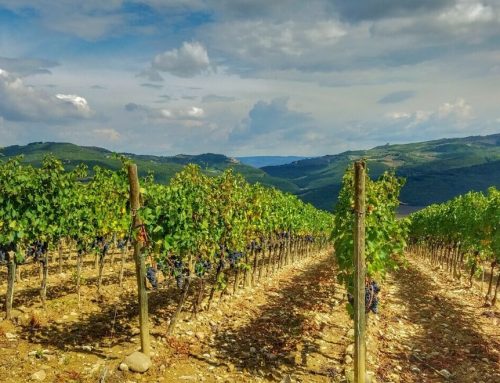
448, 117
19, 102
467, 12
459, 109
77, 101
380, 34
290, 44
275, 120
189, 60
192, 113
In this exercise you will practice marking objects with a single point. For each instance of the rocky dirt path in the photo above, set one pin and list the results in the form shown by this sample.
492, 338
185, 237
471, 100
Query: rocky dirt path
431, 329
292, 329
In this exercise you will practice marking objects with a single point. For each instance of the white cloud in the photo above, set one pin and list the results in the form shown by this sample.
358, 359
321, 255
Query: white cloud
458, 109
79, 102
274, 121
187, 115
467, 12
20, 102
189, 60
398, 115
267, 43
452, 117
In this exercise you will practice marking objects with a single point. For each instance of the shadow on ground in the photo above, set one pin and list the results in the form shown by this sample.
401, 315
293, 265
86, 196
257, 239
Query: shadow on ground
449, 337
286, 332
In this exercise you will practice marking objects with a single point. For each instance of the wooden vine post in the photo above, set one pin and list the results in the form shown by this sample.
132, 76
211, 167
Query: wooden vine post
360, 273
140, 268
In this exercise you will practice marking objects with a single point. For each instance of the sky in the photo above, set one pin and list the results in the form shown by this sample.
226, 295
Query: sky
247, 77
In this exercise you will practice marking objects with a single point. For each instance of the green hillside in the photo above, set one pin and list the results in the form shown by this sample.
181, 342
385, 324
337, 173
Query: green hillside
163, 168
435, 170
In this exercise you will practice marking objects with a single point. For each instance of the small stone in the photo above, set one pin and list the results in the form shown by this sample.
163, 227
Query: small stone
350, 333
415, 369
485, 360
252, 349
230, 367
135, 331
350, 349
39, 376
348, 359
445, 373
87, 348
123, 367
138, 362
10, 336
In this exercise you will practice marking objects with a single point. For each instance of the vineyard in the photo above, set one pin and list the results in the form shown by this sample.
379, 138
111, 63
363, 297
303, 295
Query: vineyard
215, 279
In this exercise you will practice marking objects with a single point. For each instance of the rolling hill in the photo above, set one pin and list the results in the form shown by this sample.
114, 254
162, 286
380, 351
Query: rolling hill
434, 170
162, 167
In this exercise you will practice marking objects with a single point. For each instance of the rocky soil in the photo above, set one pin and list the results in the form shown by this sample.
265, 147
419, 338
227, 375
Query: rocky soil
292, 327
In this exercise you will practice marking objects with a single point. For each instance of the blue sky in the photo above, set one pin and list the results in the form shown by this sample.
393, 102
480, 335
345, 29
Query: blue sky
247, 77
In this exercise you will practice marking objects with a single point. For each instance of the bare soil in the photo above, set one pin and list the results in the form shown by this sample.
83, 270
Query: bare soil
292, 327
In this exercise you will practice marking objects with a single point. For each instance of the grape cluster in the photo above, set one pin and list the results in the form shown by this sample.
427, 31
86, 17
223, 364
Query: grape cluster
371, 297
37, 250
121, 244
178, 272
151, 276
234, 258
4, 252
3, 256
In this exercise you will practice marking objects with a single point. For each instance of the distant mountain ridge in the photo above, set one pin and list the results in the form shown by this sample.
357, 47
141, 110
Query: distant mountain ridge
261, 161
435, 171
